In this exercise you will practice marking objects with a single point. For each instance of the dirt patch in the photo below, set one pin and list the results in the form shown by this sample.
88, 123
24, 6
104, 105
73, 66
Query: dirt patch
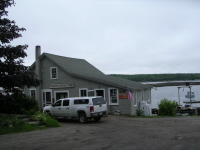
112, 133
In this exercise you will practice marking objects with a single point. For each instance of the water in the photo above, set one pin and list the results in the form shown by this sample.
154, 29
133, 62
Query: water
171, 93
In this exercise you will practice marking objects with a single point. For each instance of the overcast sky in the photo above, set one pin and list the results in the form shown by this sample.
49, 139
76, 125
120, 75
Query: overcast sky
116, 36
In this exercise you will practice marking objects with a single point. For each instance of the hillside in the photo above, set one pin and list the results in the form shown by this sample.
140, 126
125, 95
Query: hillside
159, 77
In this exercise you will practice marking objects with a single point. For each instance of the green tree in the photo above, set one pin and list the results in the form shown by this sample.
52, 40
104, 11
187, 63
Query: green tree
167, 107
12, 71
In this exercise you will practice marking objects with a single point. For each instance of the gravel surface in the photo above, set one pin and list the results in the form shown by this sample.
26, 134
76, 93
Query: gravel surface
112, 133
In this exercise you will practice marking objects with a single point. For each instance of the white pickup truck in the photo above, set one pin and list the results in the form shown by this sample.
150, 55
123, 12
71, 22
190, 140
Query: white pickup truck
83, 108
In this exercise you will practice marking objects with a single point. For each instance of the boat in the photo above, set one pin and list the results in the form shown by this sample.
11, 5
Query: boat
192, 101
190, 95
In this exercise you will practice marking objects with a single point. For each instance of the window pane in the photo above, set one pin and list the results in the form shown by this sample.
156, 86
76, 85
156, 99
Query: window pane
81, 101
97, 101
91, 93
48, 96
33, 93
61, 95
83, 93
54, 73
58, 103
100, 93
66, 103
113, 96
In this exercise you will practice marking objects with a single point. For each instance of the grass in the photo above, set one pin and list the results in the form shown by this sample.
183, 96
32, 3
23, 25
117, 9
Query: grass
12, 124
21, 128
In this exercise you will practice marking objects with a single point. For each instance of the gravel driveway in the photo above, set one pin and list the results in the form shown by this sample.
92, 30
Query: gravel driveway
111, 133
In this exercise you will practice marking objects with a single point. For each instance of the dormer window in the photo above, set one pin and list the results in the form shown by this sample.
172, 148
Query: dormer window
54, 73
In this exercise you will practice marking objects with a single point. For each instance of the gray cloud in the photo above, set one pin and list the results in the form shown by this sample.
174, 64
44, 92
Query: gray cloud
122, 36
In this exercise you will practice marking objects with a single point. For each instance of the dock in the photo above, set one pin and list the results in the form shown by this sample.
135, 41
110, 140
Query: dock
191, 102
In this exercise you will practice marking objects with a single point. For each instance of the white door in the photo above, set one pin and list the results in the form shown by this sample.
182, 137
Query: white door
47, 97
65, 110
57, 109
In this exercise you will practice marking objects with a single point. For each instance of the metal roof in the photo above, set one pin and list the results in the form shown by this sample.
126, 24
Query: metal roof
82, 69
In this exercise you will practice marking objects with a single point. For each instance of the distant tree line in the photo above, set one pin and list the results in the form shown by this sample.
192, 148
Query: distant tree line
158, 77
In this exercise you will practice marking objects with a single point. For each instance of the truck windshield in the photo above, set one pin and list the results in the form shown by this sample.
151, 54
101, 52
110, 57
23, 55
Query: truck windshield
98, 100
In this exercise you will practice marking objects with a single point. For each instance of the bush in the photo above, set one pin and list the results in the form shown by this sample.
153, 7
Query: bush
17, 104
10, 121
139, 112
44, 119
167, 107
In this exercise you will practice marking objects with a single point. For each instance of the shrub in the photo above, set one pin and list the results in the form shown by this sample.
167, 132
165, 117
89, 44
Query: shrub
17, 104
167, 107
139, 112
13, 124
10, 121
45, 119
50, 122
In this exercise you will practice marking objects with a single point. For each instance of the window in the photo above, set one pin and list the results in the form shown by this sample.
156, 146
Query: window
60, 94
96, 92
82, 92
81, 101
97, 101
113, 96
65, 102
100, 93
54, 73
91, 93
32, 93
58, 103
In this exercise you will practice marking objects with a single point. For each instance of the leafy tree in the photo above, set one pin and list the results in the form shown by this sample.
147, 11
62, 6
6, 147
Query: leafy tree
12, 71
167, 108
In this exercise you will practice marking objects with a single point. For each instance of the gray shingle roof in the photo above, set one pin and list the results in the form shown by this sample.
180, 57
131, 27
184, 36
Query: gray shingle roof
82, 69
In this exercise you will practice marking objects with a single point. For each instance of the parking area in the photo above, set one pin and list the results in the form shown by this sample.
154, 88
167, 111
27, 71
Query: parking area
112, 133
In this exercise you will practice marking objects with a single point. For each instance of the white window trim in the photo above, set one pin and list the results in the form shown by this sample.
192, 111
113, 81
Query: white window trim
60, 92
31, 90
103, 92
83, 89
109, 97
46, 90
51, 72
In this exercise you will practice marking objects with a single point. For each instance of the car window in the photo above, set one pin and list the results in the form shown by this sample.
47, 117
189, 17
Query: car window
81, 101
98, 100
65, 102
58, 103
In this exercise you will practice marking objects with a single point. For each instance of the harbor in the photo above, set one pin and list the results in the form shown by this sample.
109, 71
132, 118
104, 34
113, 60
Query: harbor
185, 93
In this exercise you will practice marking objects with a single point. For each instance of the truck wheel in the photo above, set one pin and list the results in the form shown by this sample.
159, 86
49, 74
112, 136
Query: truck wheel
97, 119
82, 118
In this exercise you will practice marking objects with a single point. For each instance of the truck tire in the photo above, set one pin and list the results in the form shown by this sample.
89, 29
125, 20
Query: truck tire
82, 118
97, 119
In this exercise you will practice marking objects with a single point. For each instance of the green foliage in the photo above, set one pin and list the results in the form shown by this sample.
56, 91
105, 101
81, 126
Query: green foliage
45, 119
167, 108
17, 104
139, 112
13, 72
12, 124
10, 121
159, 77
16, 129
